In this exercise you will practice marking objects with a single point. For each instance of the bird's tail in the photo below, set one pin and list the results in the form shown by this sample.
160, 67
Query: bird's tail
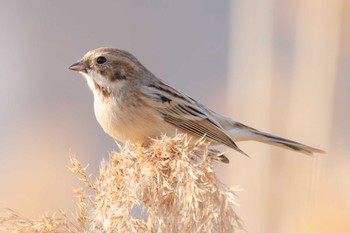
241, 132
285, 143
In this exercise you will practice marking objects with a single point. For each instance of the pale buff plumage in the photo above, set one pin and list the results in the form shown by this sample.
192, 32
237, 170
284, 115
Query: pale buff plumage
132, 104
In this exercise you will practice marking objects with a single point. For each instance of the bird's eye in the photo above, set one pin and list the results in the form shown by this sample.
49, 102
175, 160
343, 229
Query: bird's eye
101, 60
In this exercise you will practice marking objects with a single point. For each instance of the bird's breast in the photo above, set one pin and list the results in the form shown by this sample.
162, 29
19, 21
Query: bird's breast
126, 122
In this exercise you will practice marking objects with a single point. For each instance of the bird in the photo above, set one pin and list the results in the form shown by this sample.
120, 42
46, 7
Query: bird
132, 104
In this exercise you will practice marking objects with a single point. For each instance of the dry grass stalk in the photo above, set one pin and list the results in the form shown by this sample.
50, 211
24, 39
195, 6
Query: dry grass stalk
173, 181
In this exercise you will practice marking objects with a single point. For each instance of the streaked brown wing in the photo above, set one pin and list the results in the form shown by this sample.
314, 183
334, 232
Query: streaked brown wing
183, 117
185, 113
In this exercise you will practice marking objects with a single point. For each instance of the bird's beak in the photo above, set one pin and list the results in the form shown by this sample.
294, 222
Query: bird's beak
78, 66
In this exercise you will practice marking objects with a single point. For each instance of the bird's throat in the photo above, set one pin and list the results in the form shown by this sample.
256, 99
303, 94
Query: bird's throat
101, 90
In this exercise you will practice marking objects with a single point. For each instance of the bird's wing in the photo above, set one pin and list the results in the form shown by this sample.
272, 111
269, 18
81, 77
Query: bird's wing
185, 113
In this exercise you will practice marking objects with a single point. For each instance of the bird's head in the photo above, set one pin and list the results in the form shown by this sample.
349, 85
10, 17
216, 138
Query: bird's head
108, 65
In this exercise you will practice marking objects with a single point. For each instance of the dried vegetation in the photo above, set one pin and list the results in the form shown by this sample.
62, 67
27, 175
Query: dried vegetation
171, 181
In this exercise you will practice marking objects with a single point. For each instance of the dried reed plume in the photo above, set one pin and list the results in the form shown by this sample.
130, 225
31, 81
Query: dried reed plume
172, 180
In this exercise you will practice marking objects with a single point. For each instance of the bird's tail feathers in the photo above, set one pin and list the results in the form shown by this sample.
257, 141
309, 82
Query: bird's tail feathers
285, 143
242, 132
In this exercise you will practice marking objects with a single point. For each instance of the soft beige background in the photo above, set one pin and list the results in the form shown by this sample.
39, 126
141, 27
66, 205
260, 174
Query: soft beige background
282, 66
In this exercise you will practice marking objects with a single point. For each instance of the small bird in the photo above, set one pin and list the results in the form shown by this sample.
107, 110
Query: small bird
132, 104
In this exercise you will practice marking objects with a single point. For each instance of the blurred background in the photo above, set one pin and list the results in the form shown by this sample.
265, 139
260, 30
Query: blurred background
280, 66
